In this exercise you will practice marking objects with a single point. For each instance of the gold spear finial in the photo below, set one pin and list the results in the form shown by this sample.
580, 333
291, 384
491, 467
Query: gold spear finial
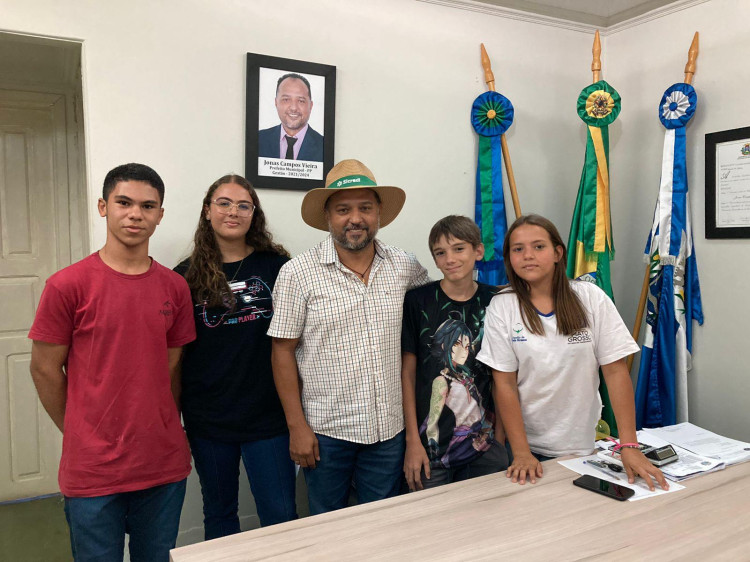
596, 64
491, 114
692, 57
488, 76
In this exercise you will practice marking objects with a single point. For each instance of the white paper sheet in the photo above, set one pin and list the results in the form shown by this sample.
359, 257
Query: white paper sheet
640, 488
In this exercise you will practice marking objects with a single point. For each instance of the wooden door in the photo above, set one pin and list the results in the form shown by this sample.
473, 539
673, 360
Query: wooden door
34, 231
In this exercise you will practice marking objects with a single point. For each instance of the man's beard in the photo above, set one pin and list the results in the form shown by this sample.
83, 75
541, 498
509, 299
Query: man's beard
293, 124
344, 242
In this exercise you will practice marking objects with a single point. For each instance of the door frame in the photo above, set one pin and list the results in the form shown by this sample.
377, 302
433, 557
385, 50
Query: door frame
65, 100
75, 243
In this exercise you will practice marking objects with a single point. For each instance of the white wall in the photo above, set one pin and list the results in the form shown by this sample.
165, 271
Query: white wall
642, 62
164, 85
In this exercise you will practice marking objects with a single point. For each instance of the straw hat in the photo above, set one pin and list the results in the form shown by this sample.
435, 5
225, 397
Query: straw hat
350, 174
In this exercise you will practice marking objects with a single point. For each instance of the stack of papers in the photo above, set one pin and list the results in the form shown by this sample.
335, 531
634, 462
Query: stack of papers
687, 465
702, 442
699, 451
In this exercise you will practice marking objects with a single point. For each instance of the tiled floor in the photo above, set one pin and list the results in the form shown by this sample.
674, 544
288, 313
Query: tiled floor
34, 531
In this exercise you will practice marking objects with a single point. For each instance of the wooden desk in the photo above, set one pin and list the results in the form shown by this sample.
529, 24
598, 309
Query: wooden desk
490, 518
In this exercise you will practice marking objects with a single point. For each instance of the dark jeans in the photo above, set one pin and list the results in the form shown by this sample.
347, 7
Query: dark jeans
269, 469
151, 517
542, 458
494, 459
376, 469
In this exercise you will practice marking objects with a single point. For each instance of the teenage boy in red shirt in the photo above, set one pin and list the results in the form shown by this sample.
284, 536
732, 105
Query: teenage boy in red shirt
108, 335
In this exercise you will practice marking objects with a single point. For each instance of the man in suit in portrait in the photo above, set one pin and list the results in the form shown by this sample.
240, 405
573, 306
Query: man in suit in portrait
293, 138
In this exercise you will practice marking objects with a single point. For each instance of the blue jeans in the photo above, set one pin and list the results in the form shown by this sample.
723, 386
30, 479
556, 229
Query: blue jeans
270, 471
151, 517
376, 469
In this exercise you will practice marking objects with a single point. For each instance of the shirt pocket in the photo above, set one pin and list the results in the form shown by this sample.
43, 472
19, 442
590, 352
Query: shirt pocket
386, 305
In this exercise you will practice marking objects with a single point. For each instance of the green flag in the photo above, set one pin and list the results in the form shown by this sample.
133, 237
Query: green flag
590, 246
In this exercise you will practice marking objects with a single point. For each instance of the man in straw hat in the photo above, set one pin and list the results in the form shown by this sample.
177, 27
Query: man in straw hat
336, 328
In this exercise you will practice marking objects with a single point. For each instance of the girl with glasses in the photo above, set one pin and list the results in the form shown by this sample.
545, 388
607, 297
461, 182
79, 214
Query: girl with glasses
229, 401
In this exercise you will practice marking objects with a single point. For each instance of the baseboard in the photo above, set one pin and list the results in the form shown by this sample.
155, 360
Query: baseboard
195, 534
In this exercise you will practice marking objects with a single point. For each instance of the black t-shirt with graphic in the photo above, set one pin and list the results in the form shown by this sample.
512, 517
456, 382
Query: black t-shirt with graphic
228, 393
455, 411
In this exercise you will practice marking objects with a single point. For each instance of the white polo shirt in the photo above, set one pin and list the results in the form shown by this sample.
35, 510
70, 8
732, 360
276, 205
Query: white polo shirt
558, 382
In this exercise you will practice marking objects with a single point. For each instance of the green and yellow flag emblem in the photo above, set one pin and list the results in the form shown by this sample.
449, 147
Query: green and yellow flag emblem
591, 246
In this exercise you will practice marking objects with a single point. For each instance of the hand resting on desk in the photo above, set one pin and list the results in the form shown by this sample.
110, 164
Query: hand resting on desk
636, 464
525, 466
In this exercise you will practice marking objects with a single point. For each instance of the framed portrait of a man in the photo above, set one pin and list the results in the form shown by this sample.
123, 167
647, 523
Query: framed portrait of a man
290, 117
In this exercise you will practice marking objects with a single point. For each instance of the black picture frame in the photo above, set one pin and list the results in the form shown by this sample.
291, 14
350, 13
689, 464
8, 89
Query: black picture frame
713, 143
263, 72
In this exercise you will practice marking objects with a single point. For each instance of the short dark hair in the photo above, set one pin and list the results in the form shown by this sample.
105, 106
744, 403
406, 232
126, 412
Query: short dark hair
132, 172
458, 227
298, 77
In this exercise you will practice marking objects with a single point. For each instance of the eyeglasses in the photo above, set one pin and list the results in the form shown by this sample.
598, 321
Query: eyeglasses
225, 206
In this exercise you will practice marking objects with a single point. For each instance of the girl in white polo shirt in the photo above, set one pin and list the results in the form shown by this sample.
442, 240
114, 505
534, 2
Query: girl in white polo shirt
545, 339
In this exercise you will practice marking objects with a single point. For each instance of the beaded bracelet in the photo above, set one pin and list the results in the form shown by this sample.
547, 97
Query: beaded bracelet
626, 446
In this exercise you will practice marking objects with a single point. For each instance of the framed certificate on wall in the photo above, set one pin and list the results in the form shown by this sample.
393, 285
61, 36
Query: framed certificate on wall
728, 184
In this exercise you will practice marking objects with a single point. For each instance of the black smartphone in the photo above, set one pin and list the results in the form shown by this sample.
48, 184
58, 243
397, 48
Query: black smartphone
600, 486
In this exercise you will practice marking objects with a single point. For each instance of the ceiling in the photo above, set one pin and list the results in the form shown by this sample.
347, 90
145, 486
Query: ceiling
603, 13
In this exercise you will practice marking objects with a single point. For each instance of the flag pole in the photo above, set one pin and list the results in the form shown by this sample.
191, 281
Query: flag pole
596, 63
489, 77
689, 73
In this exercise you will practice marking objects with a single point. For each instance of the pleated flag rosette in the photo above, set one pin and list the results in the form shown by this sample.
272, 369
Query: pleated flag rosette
599, 104
491, 115
677, 105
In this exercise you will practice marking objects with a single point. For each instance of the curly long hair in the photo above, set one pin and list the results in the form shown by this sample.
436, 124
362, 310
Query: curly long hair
205, 275
571, 316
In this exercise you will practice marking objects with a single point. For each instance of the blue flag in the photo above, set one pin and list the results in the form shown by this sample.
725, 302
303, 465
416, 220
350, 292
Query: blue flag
491, 115
674, 299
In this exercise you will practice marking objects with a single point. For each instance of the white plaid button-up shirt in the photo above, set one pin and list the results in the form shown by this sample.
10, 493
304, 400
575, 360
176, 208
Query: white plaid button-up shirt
349, 353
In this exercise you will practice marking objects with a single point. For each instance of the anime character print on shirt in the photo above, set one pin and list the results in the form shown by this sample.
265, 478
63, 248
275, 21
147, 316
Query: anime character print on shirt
455, 395
252, 301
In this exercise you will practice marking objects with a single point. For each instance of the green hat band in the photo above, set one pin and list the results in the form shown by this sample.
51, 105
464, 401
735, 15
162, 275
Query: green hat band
352, 181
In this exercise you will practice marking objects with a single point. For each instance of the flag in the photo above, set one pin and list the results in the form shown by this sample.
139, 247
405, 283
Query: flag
674, 299
491, 115
590, 245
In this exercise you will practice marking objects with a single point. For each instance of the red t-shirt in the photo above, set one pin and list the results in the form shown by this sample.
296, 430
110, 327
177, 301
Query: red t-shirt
122, 429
